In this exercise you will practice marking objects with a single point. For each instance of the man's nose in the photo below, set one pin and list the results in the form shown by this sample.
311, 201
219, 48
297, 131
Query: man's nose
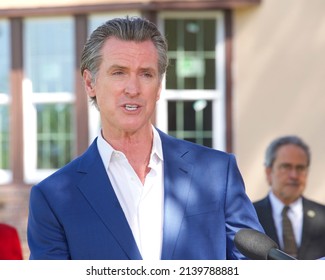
294, 172
132, 88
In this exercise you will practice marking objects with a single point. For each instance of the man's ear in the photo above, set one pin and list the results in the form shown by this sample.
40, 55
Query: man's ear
268, 174
88, 83
159, 92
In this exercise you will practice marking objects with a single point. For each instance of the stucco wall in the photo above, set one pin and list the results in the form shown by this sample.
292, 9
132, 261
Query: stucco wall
279, 86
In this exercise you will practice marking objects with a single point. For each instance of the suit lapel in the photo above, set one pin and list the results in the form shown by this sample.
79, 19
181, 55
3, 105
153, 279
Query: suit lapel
309, 219
177, 175
98, 191
269, 225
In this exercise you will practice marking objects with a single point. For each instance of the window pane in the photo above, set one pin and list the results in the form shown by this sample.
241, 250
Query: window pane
49, 54
209, 38
210, 74
171, 78
192, 44
4, 93
192, 34
54, 137
191, 120
4, 57
4, 137
171, 33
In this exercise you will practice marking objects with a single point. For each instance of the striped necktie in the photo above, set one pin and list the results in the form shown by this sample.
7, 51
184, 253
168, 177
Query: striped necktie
289, 243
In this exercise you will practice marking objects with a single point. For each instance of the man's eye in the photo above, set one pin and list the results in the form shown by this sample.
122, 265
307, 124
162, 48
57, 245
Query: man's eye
147, 74
116, 73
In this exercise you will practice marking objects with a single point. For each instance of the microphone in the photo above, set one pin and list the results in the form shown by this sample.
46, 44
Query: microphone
256, 245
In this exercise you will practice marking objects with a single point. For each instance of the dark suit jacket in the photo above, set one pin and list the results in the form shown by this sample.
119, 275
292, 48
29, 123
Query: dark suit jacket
313, 235
10, 248
75, 214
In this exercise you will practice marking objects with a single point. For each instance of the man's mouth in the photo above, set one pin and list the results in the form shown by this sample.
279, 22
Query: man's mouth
131, 107
293, 184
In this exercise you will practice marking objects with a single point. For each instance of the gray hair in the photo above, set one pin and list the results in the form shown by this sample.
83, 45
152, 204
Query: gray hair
127, 29
272, 149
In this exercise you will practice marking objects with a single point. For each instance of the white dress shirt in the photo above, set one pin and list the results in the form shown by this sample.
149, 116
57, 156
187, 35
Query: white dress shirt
295, 215
142, 204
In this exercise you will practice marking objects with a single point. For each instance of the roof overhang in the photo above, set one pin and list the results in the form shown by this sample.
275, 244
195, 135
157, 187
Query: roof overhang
15, 8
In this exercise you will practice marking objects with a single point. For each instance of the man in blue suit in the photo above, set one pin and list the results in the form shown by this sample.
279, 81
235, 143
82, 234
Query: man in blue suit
137, 193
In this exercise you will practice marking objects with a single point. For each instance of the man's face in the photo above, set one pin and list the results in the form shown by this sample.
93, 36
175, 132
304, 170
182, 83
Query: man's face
288, 175
127, 85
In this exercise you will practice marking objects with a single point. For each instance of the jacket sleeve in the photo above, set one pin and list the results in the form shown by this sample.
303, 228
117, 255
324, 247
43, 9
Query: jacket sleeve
239, 210
46, 238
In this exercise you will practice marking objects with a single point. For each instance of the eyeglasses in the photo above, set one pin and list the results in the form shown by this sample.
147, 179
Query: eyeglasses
287, 168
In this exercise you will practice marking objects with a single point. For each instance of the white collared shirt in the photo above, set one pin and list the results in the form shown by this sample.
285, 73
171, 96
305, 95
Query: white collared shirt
142, 204
295, 215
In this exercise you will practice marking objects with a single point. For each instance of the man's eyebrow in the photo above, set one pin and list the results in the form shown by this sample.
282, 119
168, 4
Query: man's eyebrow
117, 66
114, 66
149, 69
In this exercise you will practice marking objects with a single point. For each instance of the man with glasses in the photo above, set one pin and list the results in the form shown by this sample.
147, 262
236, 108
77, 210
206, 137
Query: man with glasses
296, 223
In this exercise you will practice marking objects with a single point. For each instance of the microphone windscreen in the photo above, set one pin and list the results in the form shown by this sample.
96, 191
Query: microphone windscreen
253, 244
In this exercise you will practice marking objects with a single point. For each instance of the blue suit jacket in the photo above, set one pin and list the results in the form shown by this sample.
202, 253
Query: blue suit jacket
75, 214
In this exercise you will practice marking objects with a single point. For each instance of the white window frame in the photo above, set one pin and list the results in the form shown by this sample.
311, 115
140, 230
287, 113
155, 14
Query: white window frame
32, 174
31, 99
5, 99
217, 96
5, 174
